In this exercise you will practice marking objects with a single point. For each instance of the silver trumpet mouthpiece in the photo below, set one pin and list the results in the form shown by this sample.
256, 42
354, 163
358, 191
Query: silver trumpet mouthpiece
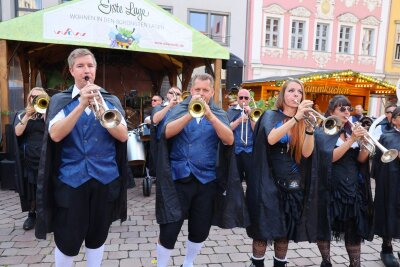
86, 78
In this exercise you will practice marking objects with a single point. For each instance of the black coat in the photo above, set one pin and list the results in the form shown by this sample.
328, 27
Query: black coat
387, 190
321, 174
230, 209
49, 164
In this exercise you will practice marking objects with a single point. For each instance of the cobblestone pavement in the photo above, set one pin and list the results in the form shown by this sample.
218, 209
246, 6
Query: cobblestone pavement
132, 243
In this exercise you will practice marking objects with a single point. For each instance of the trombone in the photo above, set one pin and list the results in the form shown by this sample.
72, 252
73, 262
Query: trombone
330, 125
244, 124
369, 143
255, 112
110, 118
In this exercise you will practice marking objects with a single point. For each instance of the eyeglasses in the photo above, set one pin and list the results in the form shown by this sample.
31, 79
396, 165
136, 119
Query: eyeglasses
245, 97
154, 100
343, 109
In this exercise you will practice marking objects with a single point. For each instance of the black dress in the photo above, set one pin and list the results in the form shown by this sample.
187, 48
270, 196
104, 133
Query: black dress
30, 149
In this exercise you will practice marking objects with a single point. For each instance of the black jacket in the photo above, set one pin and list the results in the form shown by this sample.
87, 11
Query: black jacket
230, 206
50, 160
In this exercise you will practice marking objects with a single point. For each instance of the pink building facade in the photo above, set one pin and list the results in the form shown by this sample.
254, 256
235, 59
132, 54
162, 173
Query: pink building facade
299, 36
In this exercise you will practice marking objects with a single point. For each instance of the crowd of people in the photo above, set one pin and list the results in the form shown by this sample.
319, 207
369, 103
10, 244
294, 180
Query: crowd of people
282, 176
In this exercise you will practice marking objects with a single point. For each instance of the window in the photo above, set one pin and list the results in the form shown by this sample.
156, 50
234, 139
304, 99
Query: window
367, 42
345, 39
272, 32
297, 35
27, 6
397, 52
167, 8
213, 25
321, 37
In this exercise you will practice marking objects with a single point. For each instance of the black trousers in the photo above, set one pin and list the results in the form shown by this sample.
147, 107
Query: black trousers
243, 160
197, 204
83, 214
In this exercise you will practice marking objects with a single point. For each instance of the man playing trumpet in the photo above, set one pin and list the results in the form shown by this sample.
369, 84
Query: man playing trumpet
242, 128
82, 173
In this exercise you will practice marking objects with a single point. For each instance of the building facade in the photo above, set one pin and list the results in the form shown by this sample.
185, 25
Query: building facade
294, 37
392, 56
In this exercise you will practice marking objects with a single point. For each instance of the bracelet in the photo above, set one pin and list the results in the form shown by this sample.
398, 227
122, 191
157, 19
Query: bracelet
309, 133
294, 117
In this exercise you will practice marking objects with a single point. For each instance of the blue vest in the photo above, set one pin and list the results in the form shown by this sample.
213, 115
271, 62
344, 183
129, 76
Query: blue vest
88, 151
194, 150
239, 145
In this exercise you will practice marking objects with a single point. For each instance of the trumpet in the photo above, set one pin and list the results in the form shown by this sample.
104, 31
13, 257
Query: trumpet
370, 143
185, 94
110, 118
40, 103
330, 125
196, 108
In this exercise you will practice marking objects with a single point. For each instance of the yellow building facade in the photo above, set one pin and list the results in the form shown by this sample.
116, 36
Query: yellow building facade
392, 59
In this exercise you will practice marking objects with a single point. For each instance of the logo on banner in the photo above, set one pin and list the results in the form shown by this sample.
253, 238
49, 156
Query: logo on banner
70, 32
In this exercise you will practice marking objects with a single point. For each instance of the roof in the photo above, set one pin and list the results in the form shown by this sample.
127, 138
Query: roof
312, 76
126, 25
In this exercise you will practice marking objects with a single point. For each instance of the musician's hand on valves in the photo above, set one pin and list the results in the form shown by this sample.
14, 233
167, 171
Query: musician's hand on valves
88, 93
30, 110
303, 108
358, 133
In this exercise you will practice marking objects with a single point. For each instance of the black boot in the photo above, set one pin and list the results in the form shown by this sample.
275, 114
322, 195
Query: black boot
326, 264
389, 260
279, 263
30, 221
257, 263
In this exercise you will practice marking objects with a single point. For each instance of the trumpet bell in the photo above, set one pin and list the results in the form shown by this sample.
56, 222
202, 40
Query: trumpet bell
196, 108
111, 118
389, 155
255, 114
40, 103
331, 125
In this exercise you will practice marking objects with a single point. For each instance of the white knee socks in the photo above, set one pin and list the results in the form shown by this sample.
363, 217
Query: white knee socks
62, 260
192, 249
163, 255
94, 256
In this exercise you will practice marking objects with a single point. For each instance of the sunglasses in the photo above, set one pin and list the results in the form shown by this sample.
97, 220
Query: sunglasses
154, 100
391, 112
243, 97
343, 109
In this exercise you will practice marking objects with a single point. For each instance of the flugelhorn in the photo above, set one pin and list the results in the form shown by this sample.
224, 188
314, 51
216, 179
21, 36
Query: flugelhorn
369, 143
110, 118
330, 125
40, 103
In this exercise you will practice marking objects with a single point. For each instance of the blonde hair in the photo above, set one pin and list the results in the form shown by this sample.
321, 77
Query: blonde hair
80, 52
296, 133
28, 98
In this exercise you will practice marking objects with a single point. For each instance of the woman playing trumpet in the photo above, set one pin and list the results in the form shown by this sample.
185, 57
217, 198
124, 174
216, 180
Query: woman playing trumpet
29, 130
276, 189
344, 191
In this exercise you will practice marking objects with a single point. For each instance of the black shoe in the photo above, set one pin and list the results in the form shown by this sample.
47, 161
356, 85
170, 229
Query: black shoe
29, 222
279, 263
326, 264
389, 260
